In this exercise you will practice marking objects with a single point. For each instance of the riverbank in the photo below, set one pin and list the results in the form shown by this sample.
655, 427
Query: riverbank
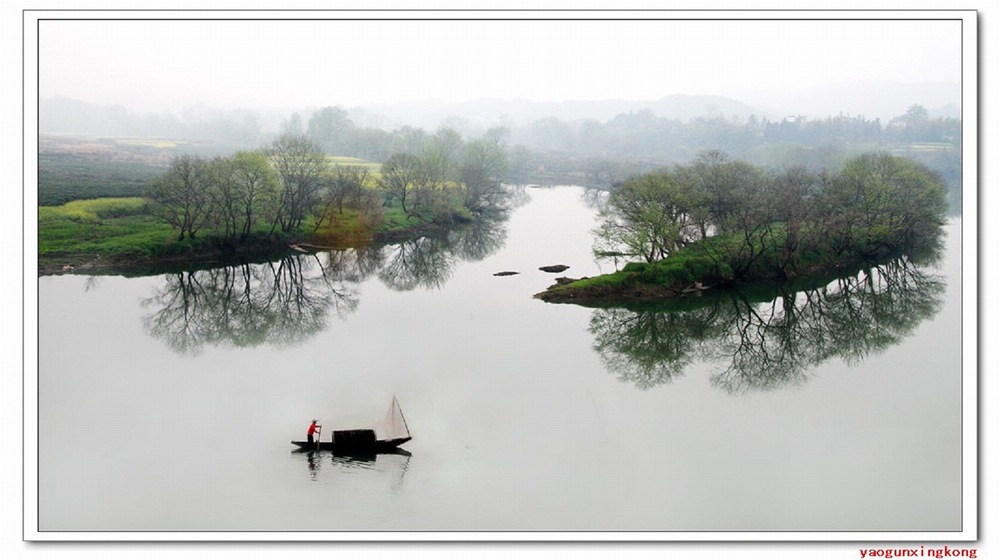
118, 236
689, 274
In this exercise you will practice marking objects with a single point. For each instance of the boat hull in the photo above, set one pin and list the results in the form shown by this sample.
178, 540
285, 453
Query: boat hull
379, 446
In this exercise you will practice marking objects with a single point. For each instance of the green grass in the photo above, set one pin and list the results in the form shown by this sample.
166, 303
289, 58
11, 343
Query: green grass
676, 273
344, 229
394, 219
95, 210
712, 261
124, 227
108, 226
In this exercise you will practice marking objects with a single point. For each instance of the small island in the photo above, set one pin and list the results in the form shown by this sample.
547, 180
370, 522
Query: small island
721, 223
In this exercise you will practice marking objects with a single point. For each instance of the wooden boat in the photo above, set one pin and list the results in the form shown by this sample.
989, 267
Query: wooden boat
386, 437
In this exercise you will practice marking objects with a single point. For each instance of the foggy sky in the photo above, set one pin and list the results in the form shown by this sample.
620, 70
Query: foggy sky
156, 65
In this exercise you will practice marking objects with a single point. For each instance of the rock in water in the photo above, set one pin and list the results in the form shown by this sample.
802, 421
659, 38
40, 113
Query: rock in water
553, 268
505, 273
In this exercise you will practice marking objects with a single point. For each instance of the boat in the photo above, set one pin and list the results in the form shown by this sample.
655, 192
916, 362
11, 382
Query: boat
386, 437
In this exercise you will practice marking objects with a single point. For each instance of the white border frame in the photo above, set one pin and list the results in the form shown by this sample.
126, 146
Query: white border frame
970, 293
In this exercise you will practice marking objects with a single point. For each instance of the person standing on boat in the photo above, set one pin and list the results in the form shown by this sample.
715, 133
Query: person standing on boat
313, 429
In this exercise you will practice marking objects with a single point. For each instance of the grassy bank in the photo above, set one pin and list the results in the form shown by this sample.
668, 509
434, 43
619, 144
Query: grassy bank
104, 226
683, 273
711, 264
122, 234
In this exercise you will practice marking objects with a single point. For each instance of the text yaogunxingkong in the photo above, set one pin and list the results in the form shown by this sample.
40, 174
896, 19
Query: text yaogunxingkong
922, 552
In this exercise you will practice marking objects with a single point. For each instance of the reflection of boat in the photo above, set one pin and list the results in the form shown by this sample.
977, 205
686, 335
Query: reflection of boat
352, 457
386, 437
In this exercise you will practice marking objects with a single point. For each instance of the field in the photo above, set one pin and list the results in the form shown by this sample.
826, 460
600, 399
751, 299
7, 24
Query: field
73, 168
931, 146
372, 167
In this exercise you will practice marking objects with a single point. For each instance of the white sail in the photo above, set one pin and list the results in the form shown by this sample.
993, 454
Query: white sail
393, 426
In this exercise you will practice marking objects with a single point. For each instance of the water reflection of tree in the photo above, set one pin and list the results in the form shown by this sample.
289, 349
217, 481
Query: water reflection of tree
517, 196
647, 349
482, 239
418, 263
280, 303
428, 262
289, 300
764, 346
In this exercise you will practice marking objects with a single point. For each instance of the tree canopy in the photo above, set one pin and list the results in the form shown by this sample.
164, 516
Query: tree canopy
773, 222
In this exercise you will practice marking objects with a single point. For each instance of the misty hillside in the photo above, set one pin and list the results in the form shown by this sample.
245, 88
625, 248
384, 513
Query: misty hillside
490, 112
873, 100
63, 115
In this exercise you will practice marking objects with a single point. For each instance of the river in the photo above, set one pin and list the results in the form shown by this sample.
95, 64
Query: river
167, 403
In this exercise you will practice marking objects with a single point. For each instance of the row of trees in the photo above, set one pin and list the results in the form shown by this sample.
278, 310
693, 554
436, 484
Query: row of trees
429, 179
745, 215
276, 189
644, 134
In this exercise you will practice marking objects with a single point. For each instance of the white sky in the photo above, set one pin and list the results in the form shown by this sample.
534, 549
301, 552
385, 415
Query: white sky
156, 64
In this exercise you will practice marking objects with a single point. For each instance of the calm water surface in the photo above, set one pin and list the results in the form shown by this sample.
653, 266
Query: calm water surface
167, 403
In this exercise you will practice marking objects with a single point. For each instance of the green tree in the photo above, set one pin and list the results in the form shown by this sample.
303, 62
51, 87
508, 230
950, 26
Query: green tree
647, 217
440, 155
329, 127
521, 165
293, 125
257, 189
880, 202
180, 196
723, 186
484, 166
794, 192
224, 213
735, 202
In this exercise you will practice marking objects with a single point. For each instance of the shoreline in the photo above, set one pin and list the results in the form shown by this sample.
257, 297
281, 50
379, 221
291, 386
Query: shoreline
58, 264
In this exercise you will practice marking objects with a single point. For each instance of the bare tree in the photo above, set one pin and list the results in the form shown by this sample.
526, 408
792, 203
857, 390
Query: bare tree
181, 195
345, 184
299, 164
401, 176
